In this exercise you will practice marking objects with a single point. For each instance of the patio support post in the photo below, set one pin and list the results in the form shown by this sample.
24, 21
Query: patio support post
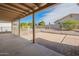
11, 26
19, 27
33, 27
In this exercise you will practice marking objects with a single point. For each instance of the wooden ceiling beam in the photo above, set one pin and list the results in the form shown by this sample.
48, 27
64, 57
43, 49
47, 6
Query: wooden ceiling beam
7, 15
16, 8
2, 10
41, 8
22, 10
42, 4
36, 4
19, 6
13, 8
10, 10
26, 6
16, 14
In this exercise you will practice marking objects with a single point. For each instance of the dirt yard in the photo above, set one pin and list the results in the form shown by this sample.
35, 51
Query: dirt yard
65, 44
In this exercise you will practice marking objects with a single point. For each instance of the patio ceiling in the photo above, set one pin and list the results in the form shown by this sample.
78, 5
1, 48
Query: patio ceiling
13, 11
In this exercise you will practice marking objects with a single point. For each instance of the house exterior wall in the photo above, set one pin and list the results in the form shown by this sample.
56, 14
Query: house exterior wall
69, 17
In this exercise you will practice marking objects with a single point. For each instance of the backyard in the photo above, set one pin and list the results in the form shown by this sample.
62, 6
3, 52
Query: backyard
49, 31
65, 44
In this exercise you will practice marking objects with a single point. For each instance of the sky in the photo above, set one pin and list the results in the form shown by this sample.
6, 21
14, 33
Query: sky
53, 13
38, 16
61, 11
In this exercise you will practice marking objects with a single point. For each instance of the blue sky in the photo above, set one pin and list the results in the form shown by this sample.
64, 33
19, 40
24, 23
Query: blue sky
54, 13
59, 11
38, 16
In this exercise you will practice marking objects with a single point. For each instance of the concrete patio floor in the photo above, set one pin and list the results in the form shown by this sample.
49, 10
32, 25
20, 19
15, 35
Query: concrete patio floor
11, 45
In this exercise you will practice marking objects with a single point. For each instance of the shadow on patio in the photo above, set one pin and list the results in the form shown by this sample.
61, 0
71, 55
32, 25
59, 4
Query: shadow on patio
62, 48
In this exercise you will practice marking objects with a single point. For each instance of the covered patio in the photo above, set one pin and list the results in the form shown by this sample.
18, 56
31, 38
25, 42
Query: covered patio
11, 43
14, 12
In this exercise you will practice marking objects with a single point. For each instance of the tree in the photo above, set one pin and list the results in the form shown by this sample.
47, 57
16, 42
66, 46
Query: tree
42, 24
30, 24
24, 25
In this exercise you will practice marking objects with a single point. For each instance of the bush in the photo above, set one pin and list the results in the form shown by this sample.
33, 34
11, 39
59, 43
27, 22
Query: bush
70, 24
24, 25
42, 24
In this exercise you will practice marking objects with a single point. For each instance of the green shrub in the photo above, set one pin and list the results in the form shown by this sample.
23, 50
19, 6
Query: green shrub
42, 24
24, 25
70, 24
